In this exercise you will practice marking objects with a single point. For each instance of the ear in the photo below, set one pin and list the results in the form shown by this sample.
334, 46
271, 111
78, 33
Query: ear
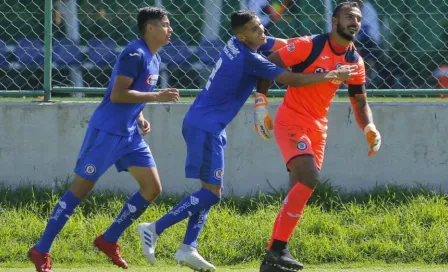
241, 37
334, 21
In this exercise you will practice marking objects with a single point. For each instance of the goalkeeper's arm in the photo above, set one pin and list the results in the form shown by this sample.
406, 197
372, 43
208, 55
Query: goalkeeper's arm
363, 116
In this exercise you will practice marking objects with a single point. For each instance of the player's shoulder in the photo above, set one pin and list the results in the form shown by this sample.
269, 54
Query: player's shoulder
301, 42
352, 55
303, 39
134, 48
233, 52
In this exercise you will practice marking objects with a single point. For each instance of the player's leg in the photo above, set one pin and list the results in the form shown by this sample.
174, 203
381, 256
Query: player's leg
89, 167
211, 175
296, 147
191, 204
137, 160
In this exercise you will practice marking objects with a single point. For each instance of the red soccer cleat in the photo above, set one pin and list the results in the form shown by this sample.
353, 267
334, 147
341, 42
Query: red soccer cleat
112, 250
42, 261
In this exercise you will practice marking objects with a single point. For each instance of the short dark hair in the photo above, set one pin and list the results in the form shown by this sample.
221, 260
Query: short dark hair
147, 14
352, 4
240, 17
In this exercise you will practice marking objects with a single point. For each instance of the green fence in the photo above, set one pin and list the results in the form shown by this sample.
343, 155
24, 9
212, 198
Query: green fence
413, 42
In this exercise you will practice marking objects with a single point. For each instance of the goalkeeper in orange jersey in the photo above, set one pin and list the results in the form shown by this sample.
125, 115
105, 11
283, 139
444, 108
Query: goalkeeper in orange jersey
300, 125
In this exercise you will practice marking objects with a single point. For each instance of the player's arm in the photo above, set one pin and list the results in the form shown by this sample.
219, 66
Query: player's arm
141, 116
296, 52
122, 93
362, 111
143, 124
273, 44
306, 79
130, 66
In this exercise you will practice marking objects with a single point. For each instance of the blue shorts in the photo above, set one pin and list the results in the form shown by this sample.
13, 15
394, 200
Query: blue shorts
205, 154
101, 149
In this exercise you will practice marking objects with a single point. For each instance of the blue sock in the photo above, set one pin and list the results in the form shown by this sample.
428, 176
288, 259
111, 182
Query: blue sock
134, 207
61, 213
194, 228
190, 205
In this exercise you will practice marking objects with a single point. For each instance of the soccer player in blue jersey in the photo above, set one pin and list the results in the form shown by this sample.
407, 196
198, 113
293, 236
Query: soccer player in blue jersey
230, 84
113, 138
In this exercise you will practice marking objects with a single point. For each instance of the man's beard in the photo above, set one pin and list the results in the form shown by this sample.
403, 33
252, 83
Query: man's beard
344, 35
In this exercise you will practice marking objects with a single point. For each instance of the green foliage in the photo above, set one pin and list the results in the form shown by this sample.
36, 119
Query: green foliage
388, 224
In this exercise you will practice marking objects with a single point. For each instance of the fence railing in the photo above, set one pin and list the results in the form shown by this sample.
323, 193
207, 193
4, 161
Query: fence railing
413, 34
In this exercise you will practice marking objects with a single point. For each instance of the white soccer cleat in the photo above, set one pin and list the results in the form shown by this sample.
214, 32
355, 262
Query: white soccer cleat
189, 256
148, 239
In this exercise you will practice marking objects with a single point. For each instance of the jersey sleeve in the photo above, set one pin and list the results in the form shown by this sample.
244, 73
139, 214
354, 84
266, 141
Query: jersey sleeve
296, 51
360, 78
130, 62
268, 45
257, 65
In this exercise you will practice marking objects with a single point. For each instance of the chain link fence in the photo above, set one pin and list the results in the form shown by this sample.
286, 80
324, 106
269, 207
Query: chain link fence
404, 42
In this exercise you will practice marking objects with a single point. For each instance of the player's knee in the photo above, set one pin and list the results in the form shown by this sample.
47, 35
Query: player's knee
81, 187
215, 189
305, 172
150, 193
308, 177
310, 181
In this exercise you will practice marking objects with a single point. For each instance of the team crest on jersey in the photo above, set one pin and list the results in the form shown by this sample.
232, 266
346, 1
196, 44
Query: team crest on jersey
336, 81
152, 79
302, 146
219, 173
291, 47
319, 70
90, 169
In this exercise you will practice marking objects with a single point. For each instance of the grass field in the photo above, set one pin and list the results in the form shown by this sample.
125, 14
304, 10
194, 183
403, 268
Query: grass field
322, 268
389, 225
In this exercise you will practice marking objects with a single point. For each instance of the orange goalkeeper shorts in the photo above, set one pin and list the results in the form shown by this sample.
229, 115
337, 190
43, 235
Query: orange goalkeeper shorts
295, 141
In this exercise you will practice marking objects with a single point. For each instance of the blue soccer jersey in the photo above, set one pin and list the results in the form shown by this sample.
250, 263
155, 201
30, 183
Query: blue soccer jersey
230, 84
138, 63
112, 136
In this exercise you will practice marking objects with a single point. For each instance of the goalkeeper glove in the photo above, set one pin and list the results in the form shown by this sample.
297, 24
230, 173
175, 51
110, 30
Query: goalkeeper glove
373, 138
262, 118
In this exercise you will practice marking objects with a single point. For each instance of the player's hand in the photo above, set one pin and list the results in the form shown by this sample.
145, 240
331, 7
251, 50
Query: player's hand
144, 126
168, 95
373, 137
262, 118
343, 73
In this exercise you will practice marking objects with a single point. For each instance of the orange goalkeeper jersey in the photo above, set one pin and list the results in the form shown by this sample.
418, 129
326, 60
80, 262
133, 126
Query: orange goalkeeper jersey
308, 106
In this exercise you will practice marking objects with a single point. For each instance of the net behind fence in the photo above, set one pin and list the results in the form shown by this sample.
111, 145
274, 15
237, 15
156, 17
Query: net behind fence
404, 42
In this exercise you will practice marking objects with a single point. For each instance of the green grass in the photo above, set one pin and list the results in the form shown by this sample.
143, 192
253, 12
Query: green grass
387, 225
272, 99
253, 268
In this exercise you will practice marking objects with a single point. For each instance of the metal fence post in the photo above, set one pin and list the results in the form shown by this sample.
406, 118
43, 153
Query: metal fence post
48, 49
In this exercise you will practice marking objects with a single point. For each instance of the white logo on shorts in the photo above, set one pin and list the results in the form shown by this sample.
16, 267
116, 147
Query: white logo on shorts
301, 146
63, 204
194, 200
219, 173
132, 208
90, 169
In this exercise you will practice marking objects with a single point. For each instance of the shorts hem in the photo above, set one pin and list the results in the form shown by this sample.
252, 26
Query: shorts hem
86, 177
292, 159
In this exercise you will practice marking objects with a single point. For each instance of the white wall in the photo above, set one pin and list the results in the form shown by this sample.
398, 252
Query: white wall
41, 142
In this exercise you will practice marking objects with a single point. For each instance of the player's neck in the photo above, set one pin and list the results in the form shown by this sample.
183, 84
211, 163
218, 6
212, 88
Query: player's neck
251, 46
152, 46
339, 44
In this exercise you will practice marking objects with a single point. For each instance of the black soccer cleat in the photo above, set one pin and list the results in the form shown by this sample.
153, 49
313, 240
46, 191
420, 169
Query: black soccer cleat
279, 261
